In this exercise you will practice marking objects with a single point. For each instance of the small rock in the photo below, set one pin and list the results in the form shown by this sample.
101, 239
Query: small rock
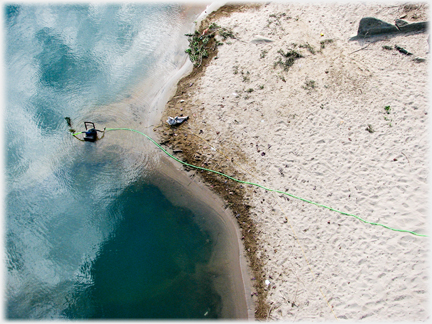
263, 153
402, 50
419, 59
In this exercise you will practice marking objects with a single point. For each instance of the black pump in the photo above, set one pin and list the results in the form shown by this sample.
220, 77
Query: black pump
90, 135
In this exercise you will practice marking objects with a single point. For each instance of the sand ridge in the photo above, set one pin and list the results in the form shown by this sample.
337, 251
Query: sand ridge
321, 131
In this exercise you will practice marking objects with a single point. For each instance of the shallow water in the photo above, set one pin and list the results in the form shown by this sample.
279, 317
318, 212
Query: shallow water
89, 234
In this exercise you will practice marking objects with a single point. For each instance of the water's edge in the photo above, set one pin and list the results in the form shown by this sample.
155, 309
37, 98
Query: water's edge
232, 249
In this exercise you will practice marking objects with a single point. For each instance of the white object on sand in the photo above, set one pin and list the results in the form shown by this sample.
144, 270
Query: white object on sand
176, 120
261, 39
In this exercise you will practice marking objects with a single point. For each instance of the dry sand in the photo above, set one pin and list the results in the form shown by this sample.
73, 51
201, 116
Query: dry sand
319, 131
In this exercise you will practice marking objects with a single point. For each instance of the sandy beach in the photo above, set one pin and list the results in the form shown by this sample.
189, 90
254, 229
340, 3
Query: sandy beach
343, 124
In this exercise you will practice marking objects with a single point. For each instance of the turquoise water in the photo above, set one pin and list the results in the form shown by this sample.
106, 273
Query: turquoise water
88, 234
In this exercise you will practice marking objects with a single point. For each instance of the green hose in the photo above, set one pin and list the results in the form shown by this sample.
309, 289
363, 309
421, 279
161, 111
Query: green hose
260, 186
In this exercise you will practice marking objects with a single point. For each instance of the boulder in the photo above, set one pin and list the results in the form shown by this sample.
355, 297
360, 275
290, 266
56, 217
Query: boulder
414, 27
372, 26
369, 27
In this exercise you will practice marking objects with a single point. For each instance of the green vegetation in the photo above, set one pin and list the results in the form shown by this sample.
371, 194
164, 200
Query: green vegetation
202, 43
289, 58
387, 109
276, 19
309, 85
226, 33
308, 47
246, 77
386, 47
198, 47
324, 42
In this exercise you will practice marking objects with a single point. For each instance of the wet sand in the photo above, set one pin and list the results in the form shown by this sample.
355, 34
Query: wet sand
344, 125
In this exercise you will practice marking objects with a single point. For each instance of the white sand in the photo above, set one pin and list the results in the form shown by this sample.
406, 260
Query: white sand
317, 147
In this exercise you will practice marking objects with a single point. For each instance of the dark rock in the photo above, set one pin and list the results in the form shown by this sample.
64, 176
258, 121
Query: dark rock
414, 27
369, 27
400, 23
372, 26
402, 50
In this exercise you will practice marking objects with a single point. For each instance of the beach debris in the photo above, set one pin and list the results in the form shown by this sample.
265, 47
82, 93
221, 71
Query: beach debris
369, 27
370, 129
419, 59
267, 282
261, 39
68, 121
176, 120
402, 50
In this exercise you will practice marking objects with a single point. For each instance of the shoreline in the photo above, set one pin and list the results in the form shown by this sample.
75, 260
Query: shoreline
208, 198
234, 197
253, 120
